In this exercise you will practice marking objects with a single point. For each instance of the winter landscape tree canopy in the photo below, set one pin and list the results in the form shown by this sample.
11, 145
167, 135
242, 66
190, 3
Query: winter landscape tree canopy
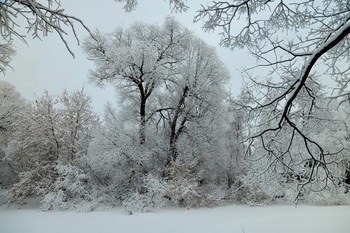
299, 46
176, 136
163, 64
171, 85
141, 58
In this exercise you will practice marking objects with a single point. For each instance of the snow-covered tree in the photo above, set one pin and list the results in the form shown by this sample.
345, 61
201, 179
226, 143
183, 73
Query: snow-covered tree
35, 148
185, 115
137, 61
54, 133
11, 104
11, 107
78, 120
292, 41
193, 94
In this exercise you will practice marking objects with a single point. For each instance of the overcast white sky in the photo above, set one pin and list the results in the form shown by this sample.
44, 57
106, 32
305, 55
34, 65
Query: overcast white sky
47, 65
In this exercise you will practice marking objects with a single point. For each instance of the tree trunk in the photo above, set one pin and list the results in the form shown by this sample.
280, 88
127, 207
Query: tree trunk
176, 131
142, 132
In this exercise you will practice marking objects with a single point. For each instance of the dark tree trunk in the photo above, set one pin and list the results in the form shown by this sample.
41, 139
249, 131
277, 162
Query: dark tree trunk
174, 130
142, 131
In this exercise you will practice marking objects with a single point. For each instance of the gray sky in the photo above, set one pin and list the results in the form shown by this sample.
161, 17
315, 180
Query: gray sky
47, 65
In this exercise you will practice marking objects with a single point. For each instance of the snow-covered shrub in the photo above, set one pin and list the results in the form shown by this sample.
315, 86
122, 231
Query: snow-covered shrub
54, 201
116, 167
37, 181
21, 190
260, 189
149, 197
183, 187
69, 190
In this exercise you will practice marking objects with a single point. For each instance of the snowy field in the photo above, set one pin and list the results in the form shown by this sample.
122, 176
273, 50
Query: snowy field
230, 219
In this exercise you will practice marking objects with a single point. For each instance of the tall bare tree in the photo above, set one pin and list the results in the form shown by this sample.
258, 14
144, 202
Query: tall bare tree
137, 60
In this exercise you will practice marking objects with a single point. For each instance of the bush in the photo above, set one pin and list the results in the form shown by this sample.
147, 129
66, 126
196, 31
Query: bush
183, 188
69, 191
258, 190
149, 197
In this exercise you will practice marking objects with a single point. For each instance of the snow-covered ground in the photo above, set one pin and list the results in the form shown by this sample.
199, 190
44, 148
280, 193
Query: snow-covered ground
230, 219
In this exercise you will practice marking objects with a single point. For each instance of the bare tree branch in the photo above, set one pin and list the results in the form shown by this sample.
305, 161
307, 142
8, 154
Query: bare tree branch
39, 18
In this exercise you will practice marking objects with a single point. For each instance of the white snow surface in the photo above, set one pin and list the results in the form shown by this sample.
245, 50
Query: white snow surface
229, 219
